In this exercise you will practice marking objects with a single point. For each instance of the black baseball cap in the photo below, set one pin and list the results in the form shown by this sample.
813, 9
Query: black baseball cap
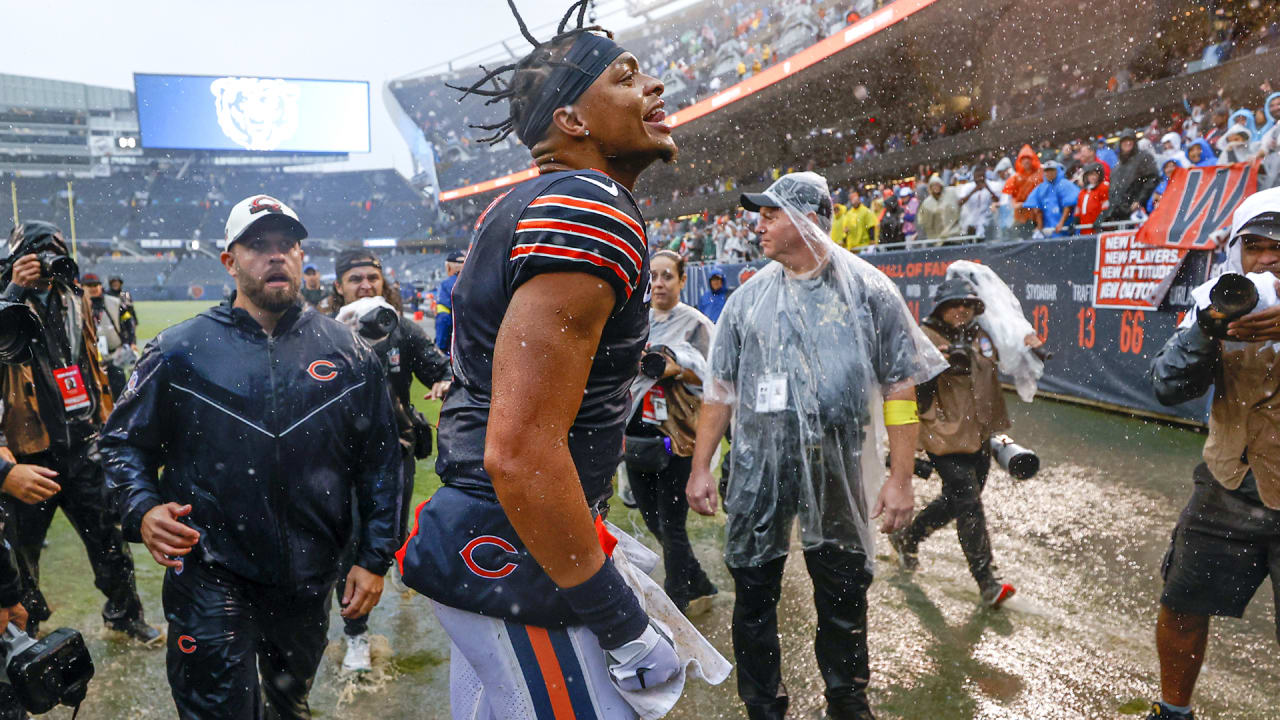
456, 256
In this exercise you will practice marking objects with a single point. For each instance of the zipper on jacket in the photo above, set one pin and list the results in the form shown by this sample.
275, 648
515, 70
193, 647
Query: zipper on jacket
281, 496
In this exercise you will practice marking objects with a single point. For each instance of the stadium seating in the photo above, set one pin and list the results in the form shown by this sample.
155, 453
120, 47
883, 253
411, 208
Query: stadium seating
346, 206
715, 40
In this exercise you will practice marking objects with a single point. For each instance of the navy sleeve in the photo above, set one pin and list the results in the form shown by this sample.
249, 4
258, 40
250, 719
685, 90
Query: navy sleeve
133, 442
379, 486
579, 224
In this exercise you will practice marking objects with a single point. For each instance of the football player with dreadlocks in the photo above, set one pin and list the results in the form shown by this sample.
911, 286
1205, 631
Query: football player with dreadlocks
550, 319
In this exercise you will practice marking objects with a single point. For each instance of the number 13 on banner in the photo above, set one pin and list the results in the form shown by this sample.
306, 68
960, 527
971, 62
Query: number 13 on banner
1040, 321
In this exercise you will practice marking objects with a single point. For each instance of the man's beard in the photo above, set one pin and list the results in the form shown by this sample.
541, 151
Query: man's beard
270, 299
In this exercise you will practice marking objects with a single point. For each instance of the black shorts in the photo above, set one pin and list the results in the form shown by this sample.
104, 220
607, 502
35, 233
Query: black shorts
1223, 548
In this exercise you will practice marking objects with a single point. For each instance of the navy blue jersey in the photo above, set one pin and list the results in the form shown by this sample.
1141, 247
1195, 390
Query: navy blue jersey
576, 221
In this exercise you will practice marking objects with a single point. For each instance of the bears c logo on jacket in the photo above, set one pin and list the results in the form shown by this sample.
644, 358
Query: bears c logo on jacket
322, 370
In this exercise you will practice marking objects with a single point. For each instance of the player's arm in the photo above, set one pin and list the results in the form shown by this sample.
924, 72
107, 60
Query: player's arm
541, 360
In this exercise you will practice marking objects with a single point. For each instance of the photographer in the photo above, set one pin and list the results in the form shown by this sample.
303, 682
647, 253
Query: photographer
11, 611
274, 428
1224, 545
406, 353
54, 406
959, 412
666, 397
128, 313
116, 340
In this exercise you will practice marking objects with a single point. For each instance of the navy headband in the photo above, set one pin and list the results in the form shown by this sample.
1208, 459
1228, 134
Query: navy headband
590, 56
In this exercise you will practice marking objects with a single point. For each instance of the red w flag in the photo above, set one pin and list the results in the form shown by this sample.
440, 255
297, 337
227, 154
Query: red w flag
1197, 202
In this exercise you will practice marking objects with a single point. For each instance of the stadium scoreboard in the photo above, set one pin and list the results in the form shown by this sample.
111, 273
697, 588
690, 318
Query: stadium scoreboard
255, 114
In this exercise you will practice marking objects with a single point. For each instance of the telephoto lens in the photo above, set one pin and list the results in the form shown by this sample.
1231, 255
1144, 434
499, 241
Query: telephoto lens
1021, 463
19, 327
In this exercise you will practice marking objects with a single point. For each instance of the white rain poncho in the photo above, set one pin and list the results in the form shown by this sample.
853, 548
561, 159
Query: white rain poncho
805, 362
687, 333
1004, 322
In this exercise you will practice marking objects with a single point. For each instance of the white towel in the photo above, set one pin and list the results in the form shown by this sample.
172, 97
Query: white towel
698, 657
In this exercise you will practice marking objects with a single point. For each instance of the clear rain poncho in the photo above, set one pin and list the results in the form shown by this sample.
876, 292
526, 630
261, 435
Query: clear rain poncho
805, 361
1004, 322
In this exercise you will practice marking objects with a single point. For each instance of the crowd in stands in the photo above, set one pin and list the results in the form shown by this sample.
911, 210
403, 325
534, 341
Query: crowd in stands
167, 203
714, 44
1080, 187
707, 48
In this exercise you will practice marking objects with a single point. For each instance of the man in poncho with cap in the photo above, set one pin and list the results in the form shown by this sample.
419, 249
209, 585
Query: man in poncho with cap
815, 359
1227, 541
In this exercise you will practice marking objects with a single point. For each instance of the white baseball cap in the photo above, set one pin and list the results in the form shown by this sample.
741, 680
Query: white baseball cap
262, 211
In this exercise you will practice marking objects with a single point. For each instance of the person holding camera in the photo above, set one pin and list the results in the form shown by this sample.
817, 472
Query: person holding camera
406, 352
959, 412
54, 406
275, 429
1225, 542
116, 336
666, 397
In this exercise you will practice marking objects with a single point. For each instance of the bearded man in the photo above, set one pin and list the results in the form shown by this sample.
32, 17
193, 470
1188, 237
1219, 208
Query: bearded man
268, 420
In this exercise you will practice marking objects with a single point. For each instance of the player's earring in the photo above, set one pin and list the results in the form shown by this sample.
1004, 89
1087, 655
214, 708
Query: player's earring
588, 133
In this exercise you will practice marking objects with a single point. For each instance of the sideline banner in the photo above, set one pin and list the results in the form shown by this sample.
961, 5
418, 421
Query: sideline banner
1128, 274
1198, 202
1100, 356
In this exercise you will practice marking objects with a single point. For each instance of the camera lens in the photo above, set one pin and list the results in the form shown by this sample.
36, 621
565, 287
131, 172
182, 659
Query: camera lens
653, 365
378, 323
19, 327
58, 267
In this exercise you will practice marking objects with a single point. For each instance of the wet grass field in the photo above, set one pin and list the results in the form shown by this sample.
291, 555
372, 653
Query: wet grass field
1083, 543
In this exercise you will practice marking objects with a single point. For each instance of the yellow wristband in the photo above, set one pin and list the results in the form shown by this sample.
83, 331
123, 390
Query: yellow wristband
900, 412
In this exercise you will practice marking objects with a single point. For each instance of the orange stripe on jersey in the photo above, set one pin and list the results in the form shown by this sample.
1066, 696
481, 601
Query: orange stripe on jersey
590, 231
557, 690
599, 207
572, 254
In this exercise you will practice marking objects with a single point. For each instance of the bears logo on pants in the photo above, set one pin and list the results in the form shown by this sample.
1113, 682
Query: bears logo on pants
468, 552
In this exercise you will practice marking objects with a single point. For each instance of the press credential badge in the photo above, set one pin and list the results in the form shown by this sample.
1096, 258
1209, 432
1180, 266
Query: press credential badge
771, 393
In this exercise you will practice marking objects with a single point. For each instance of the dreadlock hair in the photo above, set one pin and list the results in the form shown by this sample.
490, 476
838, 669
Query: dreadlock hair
527, 74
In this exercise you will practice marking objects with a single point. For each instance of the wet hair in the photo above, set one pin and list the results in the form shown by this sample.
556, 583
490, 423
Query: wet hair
674, 257
521, 88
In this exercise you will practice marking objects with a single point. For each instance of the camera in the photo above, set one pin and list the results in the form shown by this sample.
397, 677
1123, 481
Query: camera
54, 670
378, 323
19, 327
1021, 463
58, 267
653, 364
1231, 298
45, 242
960, 357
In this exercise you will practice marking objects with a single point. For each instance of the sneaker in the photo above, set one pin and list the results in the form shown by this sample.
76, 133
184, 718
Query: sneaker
908, 560
1160, 711
627, 497
996, 593
357, 659
138, 631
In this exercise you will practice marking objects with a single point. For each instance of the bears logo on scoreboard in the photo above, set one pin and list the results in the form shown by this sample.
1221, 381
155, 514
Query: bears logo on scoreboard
256, 113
